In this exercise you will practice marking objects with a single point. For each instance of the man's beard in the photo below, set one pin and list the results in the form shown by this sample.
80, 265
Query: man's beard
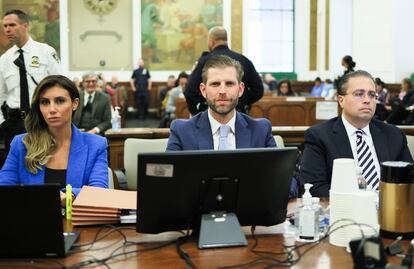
223, 110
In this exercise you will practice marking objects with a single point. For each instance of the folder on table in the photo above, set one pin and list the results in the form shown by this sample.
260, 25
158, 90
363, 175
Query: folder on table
101, 206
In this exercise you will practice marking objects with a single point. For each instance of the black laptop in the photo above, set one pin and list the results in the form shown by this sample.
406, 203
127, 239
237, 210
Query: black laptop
31, 223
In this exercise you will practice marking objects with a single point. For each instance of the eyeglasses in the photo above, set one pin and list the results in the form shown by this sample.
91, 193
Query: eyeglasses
360, 94
90, 81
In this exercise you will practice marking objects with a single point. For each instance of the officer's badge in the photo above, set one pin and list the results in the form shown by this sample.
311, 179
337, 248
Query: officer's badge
56, 57
35, 61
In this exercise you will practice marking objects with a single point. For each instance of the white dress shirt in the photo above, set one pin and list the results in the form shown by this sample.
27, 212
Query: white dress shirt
215, 129
40, 60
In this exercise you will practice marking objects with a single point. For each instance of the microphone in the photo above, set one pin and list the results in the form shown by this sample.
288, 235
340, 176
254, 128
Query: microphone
20, 64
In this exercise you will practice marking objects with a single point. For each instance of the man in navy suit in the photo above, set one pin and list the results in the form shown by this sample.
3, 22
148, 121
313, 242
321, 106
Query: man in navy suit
222, 86
338, 137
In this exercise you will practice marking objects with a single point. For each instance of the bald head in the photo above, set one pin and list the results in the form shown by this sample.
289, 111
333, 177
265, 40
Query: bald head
217, 36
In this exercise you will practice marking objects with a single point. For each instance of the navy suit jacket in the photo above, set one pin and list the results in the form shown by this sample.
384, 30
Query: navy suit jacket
195, 133
329, 140
87, 164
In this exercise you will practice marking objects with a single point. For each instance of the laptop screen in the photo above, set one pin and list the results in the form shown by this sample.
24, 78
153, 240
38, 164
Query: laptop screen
31, 222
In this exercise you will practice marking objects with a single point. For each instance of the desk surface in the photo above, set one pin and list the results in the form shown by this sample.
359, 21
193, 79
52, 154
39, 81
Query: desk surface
321, 256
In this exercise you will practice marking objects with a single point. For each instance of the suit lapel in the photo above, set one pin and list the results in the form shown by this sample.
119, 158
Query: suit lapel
341, 139
203, 132
77, 159
243, 134
379, 140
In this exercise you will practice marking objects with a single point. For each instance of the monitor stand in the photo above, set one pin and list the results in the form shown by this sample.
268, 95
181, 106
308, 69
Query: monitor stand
220, 229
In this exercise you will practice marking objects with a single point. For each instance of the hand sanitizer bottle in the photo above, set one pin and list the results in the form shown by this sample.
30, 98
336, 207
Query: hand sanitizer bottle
116, 120
308, 218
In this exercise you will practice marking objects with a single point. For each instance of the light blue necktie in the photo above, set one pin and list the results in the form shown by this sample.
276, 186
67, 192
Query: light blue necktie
224, 132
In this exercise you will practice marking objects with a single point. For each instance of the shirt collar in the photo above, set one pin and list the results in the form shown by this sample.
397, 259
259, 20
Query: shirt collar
87, 95
215, 125
26, 47
350, 129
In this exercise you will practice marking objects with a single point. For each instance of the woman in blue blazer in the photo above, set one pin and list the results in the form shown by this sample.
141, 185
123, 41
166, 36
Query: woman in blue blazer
53, 150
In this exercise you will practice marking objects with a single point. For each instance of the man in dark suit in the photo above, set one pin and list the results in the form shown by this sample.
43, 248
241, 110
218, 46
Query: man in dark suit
94, 113
221, 87
352, 135
217, 44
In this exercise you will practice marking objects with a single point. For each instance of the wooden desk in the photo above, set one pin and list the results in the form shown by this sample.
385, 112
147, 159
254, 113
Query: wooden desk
322, 256
116, 139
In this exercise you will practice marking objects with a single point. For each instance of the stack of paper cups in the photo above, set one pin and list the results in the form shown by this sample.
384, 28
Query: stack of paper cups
364, 212
343, 185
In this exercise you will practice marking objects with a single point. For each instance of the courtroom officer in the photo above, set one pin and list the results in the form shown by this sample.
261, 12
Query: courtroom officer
141, 85
21, 67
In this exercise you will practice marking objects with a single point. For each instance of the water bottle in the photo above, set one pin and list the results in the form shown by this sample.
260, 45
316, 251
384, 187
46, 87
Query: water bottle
116, 120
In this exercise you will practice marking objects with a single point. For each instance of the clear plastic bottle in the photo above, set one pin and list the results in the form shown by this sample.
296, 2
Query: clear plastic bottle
116, 120
362, 184
308, 218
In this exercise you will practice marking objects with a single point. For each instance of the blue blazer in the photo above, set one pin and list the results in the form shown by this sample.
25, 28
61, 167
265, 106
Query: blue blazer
195, 133
328, 141
87, 164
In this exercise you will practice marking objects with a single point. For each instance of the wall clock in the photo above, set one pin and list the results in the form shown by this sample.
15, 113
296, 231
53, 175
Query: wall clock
100, 7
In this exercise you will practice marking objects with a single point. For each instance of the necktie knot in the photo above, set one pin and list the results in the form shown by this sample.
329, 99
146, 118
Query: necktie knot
20, 51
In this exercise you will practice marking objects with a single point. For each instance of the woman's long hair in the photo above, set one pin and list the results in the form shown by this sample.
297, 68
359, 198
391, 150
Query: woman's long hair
39, 142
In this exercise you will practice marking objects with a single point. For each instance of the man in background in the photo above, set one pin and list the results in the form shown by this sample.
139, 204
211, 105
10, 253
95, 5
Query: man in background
218, 45
22, 66
94, 112
141, 85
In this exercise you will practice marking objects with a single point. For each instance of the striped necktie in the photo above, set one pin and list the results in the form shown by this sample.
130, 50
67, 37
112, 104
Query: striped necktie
224, 132
366, 161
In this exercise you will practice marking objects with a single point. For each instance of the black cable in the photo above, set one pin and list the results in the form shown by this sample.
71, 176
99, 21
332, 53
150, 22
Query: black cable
183, 254
290, 250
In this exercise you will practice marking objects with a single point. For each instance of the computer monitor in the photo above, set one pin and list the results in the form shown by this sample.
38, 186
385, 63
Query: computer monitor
176, 188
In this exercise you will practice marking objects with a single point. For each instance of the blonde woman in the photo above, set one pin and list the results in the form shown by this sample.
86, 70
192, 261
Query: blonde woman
54, 150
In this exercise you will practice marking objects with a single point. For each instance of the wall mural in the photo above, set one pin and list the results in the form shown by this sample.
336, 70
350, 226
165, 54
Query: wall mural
174, 32
44, 21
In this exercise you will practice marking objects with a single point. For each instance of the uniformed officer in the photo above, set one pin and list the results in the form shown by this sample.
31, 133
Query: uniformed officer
21, 68
141, 84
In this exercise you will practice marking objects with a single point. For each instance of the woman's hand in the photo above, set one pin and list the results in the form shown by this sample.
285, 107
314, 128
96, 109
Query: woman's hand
63, 199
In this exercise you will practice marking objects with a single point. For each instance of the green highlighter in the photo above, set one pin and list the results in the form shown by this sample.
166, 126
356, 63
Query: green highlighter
68, 202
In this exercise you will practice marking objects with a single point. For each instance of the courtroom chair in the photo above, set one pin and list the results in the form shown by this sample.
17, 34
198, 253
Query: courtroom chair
132, 147
279, 141
410, 143
110, 178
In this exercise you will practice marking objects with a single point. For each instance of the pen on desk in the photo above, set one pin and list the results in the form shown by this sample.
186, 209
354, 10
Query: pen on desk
68, 201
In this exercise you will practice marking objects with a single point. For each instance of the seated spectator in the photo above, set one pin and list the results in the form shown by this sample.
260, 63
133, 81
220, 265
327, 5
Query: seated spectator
78, 83
284, 88
165, 90
397, 105
53, 150
382, 100
94, 113
271, 82
328, 90
117, 92
317, 88
173, 94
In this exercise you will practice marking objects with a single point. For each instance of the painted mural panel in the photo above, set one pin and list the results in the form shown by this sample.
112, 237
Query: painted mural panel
44, 21
174, 32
